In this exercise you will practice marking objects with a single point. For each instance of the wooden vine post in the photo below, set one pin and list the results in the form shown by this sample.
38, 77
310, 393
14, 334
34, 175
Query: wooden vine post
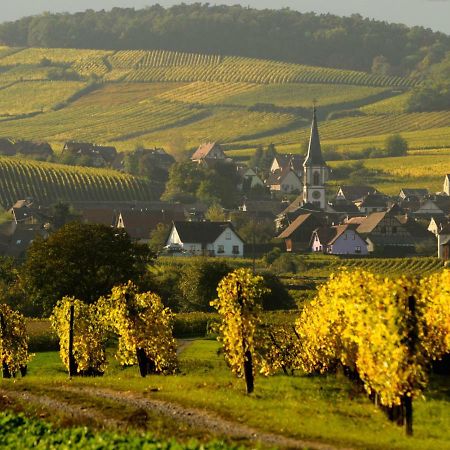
5, 368
413, 335
72, 362
248, 358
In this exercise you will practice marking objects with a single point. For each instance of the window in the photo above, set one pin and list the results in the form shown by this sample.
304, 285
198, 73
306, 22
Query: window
228, 235
220, 249
394, 230
316, 179
235, 249
358, 249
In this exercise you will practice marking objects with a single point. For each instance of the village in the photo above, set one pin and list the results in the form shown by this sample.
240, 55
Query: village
292, 204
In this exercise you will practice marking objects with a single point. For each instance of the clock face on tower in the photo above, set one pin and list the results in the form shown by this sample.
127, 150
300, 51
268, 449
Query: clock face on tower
316, 194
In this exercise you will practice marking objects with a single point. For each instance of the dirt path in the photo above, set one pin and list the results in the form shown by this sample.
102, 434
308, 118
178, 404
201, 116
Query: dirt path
77, 413
193, 417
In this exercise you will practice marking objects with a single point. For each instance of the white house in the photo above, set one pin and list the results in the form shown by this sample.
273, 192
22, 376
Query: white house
285, 181
208, 151
447, 184
339, 240
206, 238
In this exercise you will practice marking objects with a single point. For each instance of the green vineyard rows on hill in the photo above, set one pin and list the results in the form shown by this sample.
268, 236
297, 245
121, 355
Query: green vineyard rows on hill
48, 183
323, 267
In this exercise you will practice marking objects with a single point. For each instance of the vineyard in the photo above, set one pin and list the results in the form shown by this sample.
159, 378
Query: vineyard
48, 183
153, 98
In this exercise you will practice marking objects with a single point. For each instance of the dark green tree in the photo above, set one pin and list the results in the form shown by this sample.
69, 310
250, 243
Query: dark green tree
80, 260
198, 283
396, 145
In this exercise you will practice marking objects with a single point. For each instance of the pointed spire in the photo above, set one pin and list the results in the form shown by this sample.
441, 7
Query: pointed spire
314, 156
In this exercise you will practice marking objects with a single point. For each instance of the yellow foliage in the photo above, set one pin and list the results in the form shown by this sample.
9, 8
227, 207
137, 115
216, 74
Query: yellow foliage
13, 340
238, 303
89, 335
142, 322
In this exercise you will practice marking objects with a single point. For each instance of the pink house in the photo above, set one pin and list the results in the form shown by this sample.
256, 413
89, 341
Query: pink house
339, 240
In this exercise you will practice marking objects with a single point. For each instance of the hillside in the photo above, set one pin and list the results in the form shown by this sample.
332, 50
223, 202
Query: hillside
178, 100
284, 35
49, 183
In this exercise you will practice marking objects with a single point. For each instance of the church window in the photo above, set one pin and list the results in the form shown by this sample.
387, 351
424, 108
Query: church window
316, 179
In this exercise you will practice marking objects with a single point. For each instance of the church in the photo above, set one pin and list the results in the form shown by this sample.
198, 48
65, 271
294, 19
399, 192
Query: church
315, 170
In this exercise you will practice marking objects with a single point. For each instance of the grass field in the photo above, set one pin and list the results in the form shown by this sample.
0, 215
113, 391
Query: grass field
326, 409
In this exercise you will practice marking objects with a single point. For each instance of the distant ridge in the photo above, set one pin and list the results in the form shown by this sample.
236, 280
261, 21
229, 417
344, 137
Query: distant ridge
284, 35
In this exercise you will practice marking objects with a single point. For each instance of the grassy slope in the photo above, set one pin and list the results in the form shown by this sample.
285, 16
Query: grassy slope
327, 409
189, 98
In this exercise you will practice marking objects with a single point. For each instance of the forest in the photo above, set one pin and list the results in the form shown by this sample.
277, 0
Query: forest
285, 35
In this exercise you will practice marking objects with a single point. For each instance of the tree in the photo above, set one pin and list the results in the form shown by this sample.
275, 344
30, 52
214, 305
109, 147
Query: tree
396, 145
384, 332
215, 213
158, 237
88, 347
198, 283
239, 304
80, 260
144, 327
14, 339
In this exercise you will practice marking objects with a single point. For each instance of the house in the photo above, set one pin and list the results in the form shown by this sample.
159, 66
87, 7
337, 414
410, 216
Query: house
100, 216
354, 192
372, 203
101, 155
284, 181
248, 179
41, 150
384, 232
443, 241
438, 206
287, 161
437, 224
206, 238
339, 240
447, 184
139, 223
413, 193
297, 236
208, 151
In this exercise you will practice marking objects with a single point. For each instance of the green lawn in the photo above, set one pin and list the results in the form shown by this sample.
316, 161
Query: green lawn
327, 408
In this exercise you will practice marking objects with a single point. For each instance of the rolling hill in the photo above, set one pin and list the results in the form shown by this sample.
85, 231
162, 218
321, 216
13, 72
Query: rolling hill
178, 100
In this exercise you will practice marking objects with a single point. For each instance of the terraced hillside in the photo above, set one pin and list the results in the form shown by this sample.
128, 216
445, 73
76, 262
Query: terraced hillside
48, 183
173, 100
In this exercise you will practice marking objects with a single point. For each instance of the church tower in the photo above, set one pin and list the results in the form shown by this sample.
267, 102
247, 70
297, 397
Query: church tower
315, 169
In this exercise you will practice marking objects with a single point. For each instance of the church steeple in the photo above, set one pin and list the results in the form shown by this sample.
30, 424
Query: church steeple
314, 156
315, 169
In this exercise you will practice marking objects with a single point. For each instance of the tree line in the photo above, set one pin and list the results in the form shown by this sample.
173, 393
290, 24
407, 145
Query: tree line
325, 40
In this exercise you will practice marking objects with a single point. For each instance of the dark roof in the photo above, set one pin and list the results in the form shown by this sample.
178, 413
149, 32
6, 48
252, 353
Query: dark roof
103, 216
300, 221
204, 150
370, 222
289, 160
271, 206
201, 232
139, 223
355, 192
374, 200
314, 156
278, 176
413, 192
345, 206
